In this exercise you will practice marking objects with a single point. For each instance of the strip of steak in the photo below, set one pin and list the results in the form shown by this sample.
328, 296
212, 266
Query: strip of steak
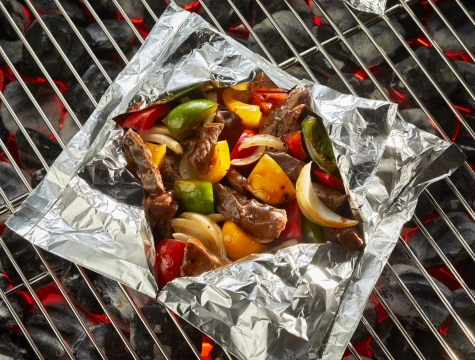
230, 120
205, 143
332, 198
347, 237
288, 163
198, 259
163, 208
284, 118
141, 158
259, 220
237, 181
170, 169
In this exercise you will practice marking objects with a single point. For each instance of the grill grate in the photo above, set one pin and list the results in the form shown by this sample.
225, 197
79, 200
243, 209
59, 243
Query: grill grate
298, 58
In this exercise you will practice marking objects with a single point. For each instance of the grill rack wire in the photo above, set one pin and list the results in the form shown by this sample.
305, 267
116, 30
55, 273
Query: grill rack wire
299, 58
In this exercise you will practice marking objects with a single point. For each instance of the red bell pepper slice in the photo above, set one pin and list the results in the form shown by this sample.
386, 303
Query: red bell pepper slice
268, 100
236, 154
294, 143
144, 119
170, 254
327, 179
293, 229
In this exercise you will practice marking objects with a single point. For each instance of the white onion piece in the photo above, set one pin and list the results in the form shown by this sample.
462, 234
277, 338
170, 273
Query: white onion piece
186, 171
263, 140
217, 246
157, 129
181, 237
217, 217
192, 228
168, 141
311, 205
212, 95
256, 155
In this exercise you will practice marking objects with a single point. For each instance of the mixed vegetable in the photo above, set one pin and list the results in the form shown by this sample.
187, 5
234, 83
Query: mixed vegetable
233, 172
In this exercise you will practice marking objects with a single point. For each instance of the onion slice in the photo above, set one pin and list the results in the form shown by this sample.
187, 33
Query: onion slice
311, 205
217, 242
157, 129
263, 140
168, 141
217, 217
192, 228
181, 237
256, 155
185, 170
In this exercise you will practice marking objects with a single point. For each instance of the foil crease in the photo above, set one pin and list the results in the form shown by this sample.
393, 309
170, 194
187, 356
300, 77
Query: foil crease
304, 302
371, 6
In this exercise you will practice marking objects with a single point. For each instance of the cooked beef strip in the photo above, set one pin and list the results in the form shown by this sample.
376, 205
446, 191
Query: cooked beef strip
205, 143
284, 118
142, 161
237, 181
163, 208
332, 198
230, 120
198, 259
347, 237
259, 220
170, 169
288, 163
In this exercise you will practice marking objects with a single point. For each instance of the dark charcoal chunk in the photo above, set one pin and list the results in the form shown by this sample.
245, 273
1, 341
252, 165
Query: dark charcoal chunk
300, 73
465, 141
70, 128
370, 313
273, 6
19, 304
48, 54
158, 7
95, 82
466, 269
13, 49
104, 8
423, 294
19, 15
120, 32
412, 31
42, 333
4, 283
399, 256
10, 182
424, 207
48, 7
364, 88
412, 73
445, 238
115, 300
455, 336
10, 348
274, 43
133, 8
26, 111
38, 177
337, 11
419, 119
224, 13
444, 117
26, 258
167, 333
385, 38
79, 292
464, 184
4, 133
48, 148
108, 340
461, 96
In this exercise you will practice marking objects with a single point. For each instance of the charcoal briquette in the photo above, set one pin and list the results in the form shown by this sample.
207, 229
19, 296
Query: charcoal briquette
47, 53
300, 6
118, 29
338, 13
370, 313
418, 118
224, 13
424, 207
13, 49
95, 82
300, 73
108, 340
423, 294
167, 332
158, 7
105, 9
38, 177
48, 7
393, 340
410, 28
47, 147
20, 17
399, 256
10, 182
20, 306
4, 133
461, 97
4, 282
26, 111
11, 347
463, 181
133, 8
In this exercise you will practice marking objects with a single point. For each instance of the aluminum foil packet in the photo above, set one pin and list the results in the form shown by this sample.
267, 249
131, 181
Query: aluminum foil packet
371, 6
304, 302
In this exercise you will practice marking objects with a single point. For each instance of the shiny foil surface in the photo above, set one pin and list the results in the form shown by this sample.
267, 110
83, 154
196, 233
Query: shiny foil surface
304, 302
371, 6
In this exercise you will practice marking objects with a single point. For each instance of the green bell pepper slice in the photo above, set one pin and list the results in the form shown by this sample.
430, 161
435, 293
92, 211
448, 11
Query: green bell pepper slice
318, 144
195, 196
312, 233
185, 118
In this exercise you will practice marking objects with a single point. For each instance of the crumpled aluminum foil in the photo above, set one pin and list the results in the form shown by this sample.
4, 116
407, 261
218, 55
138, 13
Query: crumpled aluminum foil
303, 302
371, 6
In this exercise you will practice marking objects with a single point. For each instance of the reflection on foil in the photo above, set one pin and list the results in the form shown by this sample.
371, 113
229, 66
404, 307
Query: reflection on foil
371, 6
303, 302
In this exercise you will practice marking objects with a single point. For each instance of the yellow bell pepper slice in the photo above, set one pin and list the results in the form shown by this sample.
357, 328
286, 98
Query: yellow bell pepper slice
235, 101
270, 183
158, 153
215, 169
238, 244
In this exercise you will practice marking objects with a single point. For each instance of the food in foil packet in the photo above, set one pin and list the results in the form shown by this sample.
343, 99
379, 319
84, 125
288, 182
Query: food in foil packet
275, 202
254, 172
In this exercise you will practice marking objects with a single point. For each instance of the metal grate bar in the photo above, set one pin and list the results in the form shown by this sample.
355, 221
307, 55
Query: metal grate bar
353, 352
376, 338
129, 22
464, 9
